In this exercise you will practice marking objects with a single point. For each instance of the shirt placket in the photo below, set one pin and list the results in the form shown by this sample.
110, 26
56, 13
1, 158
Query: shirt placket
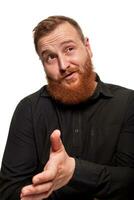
77, 140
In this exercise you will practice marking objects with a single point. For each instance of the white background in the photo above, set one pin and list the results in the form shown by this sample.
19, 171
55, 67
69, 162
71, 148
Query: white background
109, 24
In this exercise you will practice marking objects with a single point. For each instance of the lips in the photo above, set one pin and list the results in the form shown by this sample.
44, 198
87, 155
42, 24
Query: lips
70, 75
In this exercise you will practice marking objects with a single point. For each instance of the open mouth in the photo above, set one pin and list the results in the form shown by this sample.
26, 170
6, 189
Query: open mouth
70, 75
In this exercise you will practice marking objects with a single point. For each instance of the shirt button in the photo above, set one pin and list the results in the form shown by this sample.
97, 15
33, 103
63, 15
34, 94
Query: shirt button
76, 130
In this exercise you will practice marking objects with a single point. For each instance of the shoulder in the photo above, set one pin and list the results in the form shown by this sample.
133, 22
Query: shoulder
113, 90
122, 96
120, 91
33, 99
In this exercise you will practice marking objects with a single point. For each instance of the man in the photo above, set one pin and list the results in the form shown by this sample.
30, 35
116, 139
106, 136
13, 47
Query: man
74, 138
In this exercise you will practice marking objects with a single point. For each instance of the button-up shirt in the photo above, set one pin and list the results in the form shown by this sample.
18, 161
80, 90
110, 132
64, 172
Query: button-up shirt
98, 133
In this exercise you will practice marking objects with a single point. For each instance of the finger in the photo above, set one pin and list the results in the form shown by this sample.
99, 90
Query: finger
56, 143
45, 176
38, 189
37, 196
27, 190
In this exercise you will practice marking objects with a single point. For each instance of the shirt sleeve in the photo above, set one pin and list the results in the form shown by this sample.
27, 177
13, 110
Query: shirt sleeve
111, 182
20, 160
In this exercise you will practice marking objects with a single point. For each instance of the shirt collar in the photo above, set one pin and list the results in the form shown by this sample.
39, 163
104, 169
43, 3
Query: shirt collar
102, 88
44, 91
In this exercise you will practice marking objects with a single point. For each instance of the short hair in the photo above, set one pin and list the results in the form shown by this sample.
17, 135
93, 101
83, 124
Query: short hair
49, 24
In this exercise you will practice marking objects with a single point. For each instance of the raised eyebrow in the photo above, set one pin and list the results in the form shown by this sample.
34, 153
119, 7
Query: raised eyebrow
45, 52
67, 42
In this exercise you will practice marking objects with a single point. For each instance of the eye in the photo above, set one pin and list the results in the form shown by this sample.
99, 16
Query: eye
50, 58
69, 49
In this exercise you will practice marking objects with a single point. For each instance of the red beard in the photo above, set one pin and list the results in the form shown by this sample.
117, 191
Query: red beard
78, 93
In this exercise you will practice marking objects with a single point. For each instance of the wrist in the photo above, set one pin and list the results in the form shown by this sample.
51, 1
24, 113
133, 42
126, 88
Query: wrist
70, 167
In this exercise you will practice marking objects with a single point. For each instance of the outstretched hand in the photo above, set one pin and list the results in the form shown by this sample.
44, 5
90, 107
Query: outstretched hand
57, 172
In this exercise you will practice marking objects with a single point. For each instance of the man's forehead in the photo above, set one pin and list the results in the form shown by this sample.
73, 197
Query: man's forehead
63, 31
65, 27
56, 40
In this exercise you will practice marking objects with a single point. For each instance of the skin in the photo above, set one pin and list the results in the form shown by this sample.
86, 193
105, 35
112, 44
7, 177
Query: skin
57, 172
63, 49
60, 50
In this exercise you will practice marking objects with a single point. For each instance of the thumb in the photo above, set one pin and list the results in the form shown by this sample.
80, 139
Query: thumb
56, 143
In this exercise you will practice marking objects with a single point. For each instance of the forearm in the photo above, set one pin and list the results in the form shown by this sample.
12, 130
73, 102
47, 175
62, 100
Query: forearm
10, 189
102, 181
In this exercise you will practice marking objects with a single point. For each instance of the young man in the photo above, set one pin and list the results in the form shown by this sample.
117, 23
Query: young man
74, 138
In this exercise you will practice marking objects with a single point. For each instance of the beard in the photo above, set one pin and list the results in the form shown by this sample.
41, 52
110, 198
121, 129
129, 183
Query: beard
70, 93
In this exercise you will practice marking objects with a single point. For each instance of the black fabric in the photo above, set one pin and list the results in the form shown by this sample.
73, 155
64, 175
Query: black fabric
98, 133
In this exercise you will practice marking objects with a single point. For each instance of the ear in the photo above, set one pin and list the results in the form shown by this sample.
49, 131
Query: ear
87, 44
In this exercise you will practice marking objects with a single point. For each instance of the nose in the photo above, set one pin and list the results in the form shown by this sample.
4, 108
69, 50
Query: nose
63, 63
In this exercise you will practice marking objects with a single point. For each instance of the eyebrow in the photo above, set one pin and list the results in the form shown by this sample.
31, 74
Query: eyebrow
67, 41
45, 52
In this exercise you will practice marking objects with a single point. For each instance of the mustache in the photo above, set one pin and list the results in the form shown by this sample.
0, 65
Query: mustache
69, 71
63, 74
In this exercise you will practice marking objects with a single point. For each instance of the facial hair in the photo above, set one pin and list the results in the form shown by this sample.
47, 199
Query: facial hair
77, 93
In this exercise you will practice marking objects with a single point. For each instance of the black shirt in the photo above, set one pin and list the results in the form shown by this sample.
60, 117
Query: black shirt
98, 133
